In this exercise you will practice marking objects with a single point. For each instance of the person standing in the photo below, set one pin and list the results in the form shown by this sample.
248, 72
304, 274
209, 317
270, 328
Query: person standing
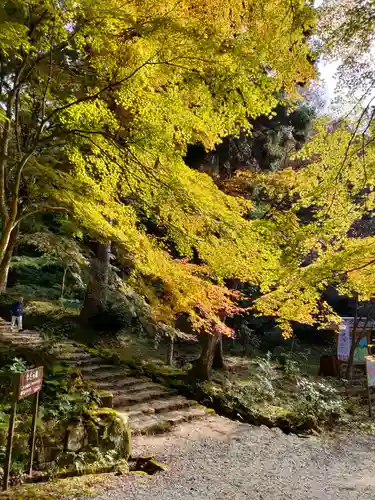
17, 307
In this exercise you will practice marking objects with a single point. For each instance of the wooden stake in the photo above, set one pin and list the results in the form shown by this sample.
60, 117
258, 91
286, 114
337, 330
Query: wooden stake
33, 432
8, 457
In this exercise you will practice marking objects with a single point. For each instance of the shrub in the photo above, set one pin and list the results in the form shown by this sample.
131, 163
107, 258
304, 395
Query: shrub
266, 376
289, 365
318, 403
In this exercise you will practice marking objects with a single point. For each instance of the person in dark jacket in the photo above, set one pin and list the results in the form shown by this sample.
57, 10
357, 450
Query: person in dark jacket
17, 307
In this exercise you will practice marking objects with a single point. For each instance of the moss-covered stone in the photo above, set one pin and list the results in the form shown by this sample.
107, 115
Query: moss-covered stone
77, 437
149, 465
110, 430
106, 399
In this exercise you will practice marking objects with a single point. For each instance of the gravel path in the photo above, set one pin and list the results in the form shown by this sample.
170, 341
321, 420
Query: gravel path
219, 459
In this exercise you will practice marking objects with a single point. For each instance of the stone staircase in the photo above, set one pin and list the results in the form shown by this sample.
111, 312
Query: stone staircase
25, 338
150, 407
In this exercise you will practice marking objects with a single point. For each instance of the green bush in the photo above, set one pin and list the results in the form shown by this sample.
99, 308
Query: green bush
266, 375
318, 403
289, 365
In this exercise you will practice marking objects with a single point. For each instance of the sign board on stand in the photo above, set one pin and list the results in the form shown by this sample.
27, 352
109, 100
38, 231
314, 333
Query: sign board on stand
30, 382
25, 384
344, 342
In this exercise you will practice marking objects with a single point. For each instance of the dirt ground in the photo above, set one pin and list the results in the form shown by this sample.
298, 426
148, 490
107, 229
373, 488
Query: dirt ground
219, 459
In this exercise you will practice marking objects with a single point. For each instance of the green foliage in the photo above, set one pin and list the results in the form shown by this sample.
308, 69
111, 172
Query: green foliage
42, 277
100, 104
18, 366
266, 375
324, 199
318, 403
289, 365
294, 407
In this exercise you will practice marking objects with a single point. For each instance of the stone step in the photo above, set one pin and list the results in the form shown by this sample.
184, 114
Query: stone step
115, 383
101, 376
26, 336
128, 400
26, 342
160, 423
28, 339
20, 336
355, 391
184, 415
146, 425
159, 406
138, 386
69, 351
81, 363
70, 345
76, 356
95, 369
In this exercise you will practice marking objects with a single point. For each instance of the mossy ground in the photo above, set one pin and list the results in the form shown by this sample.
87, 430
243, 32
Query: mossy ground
82, 486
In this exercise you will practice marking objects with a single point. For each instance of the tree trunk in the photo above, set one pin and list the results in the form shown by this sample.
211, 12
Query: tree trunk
170, 352
5, 263
63, 283
5, 240
218, 362
97, 288
202, 368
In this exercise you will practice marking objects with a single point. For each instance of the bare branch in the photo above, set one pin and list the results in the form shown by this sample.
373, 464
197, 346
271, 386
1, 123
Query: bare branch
17, 119
15, 197
41, 209
49, 74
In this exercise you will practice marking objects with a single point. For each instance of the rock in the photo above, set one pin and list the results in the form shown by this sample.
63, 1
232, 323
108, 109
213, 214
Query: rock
149, 465
106, 399
110, 430
77, 438
122, 469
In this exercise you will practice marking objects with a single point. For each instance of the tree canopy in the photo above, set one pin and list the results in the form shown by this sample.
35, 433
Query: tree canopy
99, 101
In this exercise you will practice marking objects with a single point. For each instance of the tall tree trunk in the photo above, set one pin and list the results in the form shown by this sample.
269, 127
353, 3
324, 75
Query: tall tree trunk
5, 240
211, 357
63, 283
97, 289
170, 352
5, 262
218, 361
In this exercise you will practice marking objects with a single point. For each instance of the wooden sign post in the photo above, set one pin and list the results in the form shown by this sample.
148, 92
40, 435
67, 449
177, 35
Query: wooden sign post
25, 384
